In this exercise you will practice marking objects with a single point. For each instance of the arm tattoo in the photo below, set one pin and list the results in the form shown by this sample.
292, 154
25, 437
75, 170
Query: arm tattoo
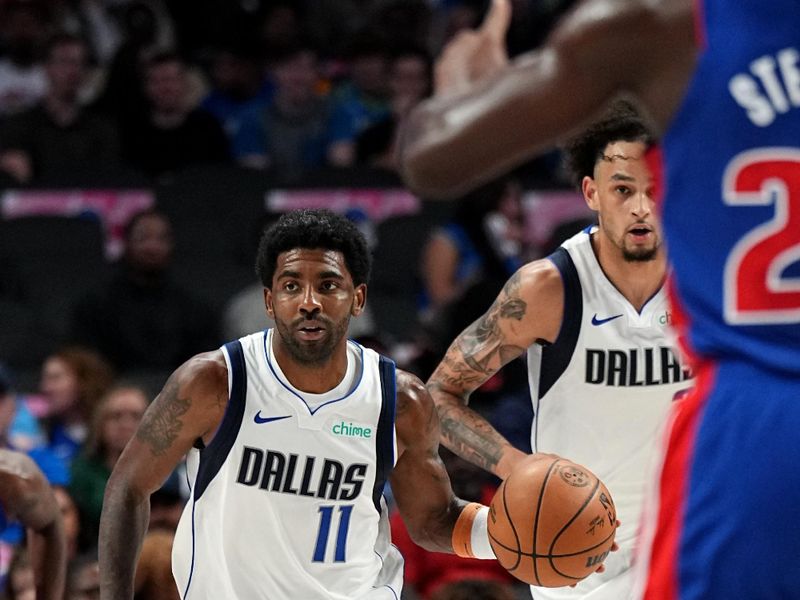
482, 342
161, 424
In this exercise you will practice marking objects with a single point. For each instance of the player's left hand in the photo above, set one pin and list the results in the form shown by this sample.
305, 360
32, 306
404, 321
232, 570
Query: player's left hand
602, 567
473, 55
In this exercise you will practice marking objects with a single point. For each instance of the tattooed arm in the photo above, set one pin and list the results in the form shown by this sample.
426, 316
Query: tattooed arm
419, 480
528, 309
190, 406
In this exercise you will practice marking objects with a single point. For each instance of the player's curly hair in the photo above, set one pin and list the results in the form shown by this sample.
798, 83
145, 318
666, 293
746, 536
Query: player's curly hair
314, 229
621, 123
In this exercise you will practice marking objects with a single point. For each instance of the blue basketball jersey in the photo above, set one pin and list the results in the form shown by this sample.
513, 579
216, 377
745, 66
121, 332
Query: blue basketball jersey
732, 184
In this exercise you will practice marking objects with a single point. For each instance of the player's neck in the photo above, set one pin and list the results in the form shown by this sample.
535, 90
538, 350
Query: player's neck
315, 378
638, 281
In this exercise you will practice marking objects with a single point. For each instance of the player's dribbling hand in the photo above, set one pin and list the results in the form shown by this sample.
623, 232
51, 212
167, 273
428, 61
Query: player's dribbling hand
602, 567
473, 55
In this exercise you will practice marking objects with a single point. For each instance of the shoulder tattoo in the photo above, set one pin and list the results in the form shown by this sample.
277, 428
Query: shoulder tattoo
161, 423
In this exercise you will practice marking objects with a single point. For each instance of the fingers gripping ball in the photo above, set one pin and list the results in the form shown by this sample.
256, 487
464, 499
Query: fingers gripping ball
551, 522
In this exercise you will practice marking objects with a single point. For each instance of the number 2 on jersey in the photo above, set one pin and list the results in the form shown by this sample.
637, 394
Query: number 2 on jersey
326, 517
756, 289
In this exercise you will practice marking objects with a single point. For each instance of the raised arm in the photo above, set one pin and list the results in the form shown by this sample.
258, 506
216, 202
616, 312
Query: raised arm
189, 407
26, 496
483, 121
529, 308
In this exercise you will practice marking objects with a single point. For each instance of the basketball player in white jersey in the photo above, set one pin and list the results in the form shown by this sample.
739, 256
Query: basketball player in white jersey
592, 317
291, 434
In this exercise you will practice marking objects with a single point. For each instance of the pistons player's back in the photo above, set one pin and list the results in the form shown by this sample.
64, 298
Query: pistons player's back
287, 498
732, 214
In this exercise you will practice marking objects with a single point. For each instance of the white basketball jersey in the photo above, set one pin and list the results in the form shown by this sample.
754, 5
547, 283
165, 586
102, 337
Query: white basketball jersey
286, 500
601, 393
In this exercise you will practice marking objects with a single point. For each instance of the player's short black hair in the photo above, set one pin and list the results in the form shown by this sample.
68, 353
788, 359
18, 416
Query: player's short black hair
621, 123
314, 229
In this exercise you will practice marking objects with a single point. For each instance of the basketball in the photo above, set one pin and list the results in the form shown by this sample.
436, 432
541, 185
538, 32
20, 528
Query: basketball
551, 522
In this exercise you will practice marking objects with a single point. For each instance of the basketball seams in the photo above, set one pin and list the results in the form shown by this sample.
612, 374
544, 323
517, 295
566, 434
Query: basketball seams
513, 527
513, 518
539, 502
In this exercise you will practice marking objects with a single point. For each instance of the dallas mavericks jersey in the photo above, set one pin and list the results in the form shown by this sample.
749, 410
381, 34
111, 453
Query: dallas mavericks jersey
732, 209
287, 499
600, 395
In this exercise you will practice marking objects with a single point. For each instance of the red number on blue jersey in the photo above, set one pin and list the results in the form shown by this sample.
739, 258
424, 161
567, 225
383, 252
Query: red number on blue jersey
756, 290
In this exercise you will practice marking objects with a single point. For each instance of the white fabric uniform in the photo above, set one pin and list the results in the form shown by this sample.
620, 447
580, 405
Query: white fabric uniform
600, 396
287, 499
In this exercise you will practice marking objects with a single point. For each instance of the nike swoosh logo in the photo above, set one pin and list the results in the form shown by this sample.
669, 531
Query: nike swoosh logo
596, 321
259, 419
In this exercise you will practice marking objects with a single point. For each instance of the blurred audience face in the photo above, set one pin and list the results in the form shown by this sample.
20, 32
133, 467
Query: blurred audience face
59, 385
149, 244
369, 73
66, 69
22, 583
122, 412
7, 410
23, 27
409, 82
281, 26
167, 86
69, 516
237, 76
84, 583
296, 77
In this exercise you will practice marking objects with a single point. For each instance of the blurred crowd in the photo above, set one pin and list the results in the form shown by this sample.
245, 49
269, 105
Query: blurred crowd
154, 86
107, 90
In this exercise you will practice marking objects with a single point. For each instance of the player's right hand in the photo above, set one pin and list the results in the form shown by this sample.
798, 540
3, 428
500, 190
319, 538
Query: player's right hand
474, 55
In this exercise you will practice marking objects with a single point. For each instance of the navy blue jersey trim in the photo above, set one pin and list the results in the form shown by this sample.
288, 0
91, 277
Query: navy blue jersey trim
557, 356
213, 456
294, 392
384, 440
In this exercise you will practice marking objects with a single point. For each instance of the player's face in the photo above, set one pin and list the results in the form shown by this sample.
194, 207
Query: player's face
311, 300
622, 194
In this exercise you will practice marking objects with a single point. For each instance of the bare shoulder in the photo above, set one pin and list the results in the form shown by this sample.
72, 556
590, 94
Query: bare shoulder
413, 398
416, 420
193, 401
539, 278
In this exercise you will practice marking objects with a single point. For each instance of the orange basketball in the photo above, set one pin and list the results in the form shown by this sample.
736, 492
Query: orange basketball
551, 522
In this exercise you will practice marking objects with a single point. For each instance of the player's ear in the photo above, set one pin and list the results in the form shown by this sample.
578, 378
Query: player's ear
359, 299
268, 303
589, 189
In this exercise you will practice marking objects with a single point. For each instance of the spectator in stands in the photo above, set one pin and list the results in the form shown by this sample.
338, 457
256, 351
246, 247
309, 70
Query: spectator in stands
22, 80
154, 579
173, 134
360, 102
72, 382
478, 589
19, 429
20, 582
143, 320
482, 241
409, 82
70, 518
288, 136
83, 577
59, 135
144, 26
238, 85
113, 425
